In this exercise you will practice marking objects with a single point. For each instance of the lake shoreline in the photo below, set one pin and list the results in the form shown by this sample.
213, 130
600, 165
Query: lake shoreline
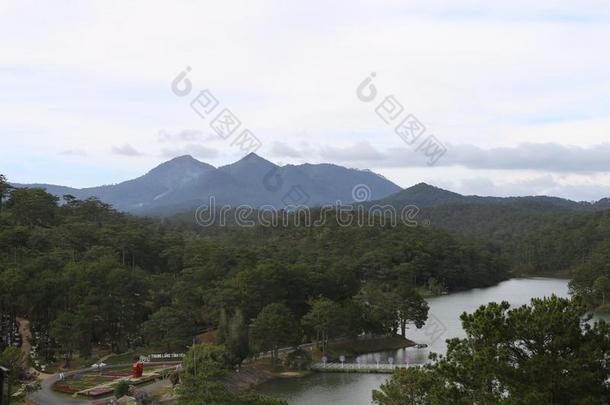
259, 372
444, 323
356, 347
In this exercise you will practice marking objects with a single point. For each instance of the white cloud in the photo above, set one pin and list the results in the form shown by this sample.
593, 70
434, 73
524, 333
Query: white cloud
358, 152
487, 74
193, 149
547, 157
125, 150
73, 152
580, 189
186, 135
282, 149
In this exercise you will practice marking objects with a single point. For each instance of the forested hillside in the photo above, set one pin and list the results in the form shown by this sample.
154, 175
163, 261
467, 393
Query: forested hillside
580, 243
534, 235
85, 274
537, 240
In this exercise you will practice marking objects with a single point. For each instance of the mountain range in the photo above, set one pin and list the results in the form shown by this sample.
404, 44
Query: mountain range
184, 183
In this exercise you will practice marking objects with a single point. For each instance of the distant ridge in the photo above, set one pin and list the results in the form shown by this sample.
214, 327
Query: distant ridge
184, 183
427, 196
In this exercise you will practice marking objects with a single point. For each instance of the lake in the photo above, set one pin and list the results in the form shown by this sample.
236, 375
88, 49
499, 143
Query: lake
443, 323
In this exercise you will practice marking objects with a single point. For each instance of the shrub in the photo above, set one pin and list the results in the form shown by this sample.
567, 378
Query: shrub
121, 388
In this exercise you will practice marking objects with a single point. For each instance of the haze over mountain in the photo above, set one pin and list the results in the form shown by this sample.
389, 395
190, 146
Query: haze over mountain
184, 183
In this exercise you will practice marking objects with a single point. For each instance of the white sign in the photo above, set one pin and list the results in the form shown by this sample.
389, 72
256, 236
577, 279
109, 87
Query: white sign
167, 356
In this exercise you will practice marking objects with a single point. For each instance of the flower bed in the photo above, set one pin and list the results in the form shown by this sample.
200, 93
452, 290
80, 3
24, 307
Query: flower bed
120, 373
65, 388
98, 391
80, 382
98, 383
89, 379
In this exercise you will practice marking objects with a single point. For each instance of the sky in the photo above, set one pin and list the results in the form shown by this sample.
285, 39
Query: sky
517, 94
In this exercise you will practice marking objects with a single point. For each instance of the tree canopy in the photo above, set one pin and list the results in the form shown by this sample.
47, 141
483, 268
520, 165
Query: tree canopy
201, 378
123, 281
548, 352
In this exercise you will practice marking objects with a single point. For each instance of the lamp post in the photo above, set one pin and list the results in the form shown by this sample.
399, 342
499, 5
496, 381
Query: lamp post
4, 375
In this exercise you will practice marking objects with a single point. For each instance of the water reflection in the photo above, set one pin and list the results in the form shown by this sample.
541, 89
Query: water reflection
445, 314
326, 388
444, 323
409, 355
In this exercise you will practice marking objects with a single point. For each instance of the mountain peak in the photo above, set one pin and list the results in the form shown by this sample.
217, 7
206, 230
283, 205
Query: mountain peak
427, 188
422, 186
250, 159
424, 195
184, 160
254, 158
181, 165
184, 157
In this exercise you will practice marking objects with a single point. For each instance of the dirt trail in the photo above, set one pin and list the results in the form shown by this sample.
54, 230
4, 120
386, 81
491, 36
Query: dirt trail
26, 346
26, 334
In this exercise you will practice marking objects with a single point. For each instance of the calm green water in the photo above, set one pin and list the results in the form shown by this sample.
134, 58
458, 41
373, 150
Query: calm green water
355, 389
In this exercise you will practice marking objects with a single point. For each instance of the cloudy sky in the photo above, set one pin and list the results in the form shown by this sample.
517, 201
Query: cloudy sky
517, 93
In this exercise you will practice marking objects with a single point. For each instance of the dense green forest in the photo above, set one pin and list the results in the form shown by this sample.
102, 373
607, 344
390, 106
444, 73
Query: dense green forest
532, 237
121, 281
535, 238
86, 275
89, 277
536, 235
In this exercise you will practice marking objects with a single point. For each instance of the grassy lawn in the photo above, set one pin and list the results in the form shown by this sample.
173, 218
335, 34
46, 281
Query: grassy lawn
280, 371
104, 380
128, 357
75, 364
122, 358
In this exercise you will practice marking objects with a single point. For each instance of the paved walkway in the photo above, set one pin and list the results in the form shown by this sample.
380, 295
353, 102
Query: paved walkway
358, 367
46, 395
